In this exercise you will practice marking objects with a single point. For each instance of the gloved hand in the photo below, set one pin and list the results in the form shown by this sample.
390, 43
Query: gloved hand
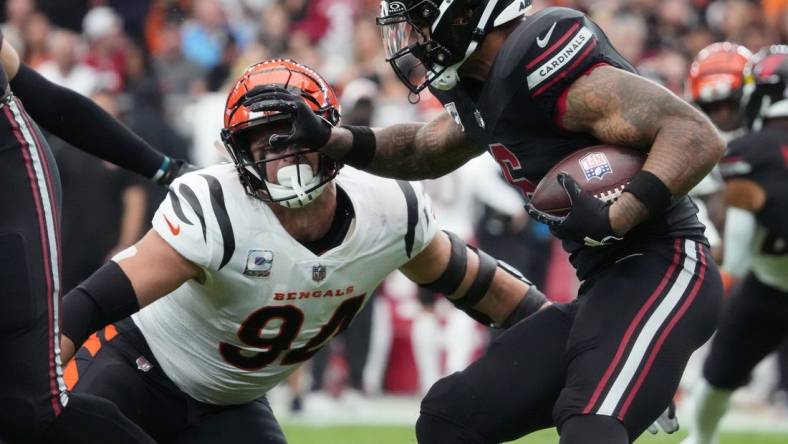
176, 168
309, 130
667, 421
588, 221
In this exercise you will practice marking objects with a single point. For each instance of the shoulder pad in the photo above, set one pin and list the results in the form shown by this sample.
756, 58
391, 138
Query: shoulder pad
539, 31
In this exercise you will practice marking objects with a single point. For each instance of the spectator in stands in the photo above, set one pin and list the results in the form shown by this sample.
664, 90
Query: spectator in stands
17, 13
35, 32
176, 73
65, 68
103, 28
206, 34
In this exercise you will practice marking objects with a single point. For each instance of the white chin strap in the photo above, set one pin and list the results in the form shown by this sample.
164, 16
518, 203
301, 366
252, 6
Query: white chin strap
449, 78
291, 192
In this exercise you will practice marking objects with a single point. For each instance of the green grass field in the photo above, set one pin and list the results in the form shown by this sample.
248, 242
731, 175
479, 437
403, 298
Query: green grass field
404, 435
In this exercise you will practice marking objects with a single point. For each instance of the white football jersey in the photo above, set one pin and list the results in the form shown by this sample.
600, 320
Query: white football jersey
268, 303
769, 261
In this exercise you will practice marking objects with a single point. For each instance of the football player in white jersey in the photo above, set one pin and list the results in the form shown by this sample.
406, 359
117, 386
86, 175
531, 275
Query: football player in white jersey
252, 267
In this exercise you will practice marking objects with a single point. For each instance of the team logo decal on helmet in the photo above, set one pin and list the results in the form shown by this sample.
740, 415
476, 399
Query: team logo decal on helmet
426, 41
766, 92
297, 185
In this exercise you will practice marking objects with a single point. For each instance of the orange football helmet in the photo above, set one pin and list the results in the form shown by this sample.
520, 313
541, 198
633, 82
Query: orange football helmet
303, 185
717, 73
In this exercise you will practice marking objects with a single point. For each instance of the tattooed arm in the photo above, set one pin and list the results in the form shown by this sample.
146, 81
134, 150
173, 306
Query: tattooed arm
412, 151
621, 108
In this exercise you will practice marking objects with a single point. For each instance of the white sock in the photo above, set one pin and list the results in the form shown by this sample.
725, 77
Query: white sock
426, 340
708, 405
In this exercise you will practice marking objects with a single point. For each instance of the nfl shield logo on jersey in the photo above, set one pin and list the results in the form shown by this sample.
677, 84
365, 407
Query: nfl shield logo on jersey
595, 166
318, 273
259, 263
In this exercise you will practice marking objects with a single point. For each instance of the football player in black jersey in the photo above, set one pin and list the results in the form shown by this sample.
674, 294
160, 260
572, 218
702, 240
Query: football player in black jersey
716, 86
34, 404
532, 91
755, 320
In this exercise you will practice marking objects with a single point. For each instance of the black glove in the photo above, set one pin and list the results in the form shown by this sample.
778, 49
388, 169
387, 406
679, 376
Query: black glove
309, 130
177, 168
588, 221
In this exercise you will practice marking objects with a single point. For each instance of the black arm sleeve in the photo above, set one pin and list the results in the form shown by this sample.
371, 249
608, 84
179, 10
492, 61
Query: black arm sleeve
80, 122
105, 297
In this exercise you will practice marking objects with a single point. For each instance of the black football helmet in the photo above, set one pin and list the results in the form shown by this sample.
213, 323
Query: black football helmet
426, 41
766, 89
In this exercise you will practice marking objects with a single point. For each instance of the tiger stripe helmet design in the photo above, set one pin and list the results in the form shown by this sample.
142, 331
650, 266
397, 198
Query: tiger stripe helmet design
717, 73
242, 114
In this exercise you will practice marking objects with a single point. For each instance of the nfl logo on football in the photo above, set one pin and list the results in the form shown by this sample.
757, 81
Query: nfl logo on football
259, 263
318, 273
595, 166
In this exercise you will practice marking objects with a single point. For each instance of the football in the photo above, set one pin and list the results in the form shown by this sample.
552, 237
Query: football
601, 170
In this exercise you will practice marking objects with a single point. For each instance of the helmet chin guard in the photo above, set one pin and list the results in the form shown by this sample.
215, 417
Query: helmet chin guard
297, 186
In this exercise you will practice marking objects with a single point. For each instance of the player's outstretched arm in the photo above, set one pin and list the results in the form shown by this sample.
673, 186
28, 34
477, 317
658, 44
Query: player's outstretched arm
134, 278
491, 292
621, 108
410, 151
82, 123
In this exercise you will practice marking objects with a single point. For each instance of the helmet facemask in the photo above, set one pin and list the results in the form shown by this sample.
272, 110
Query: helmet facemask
426, 41
293, 185
299, 182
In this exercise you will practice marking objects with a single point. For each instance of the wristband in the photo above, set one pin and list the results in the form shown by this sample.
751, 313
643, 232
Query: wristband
163, 169
363, 149
105, 297
651, 191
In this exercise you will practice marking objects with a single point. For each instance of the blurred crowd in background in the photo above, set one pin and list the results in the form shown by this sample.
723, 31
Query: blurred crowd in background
164, 67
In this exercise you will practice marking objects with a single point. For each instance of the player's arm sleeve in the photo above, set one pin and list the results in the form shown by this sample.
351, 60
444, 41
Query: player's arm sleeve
184, 220
82, 123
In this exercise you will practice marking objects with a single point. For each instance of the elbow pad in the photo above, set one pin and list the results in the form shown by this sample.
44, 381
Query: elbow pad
104, 298
452, 277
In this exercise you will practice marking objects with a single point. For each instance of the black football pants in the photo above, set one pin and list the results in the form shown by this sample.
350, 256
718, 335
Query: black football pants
34, 403
618, 351
148, 397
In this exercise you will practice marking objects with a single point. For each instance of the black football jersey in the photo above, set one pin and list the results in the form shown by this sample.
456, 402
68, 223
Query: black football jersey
762, 157
514, 113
